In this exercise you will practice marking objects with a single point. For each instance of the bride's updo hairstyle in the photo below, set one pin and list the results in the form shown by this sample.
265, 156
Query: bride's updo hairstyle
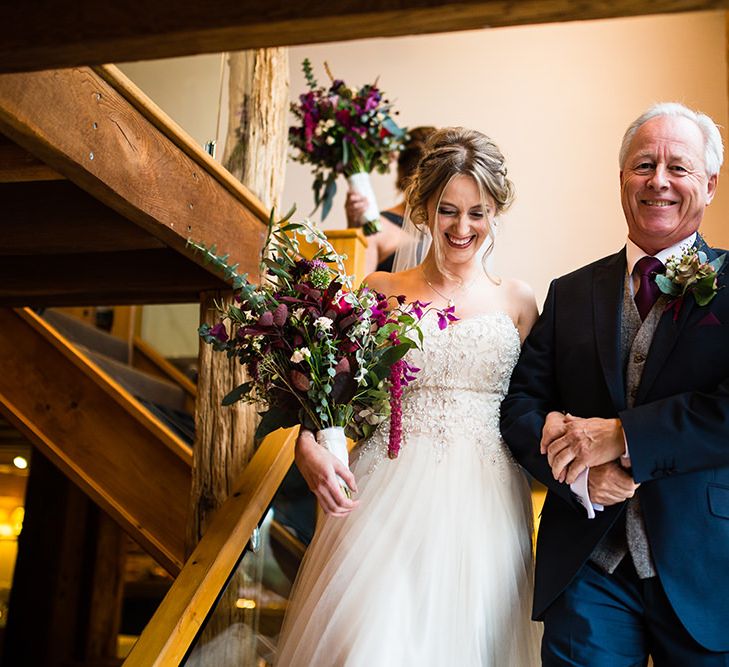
451, 152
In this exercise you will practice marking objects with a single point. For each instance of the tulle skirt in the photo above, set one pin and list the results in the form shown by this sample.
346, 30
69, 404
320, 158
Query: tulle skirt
433, 568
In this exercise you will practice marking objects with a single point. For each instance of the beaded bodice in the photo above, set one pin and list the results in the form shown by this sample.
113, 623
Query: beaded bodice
464, 375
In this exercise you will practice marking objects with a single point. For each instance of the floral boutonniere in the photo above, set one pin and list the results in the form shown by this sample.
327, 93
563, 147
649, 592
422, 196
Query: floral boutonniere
690, 273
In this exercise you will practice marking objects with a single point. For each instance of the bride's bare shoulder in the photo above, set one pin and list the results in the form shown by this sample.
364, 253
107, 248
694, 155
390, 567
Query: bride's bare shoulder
390, 283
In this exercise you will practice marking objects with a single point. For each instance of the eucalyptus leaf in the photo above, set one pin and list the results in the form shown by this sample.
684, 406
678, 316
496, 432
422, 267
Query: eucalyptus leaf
667, 286
718, 263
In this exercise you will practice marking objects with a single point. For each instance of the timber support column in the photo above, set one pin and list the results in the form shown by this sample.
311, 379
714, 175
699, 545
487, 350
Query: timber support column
255, 152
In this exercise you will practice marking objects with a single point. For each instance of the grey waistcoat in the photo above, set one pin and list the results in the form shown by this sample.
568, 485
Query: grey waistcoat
636, 338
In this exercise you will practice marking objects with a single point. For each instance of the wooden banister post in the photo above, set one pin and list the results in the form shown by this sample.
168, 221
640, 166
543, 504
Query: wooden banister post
255, 152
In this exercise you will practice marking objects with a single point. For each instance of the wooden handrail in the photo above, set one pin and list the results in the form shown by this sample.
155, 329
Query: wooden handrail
174, 132
146, 358
182, 613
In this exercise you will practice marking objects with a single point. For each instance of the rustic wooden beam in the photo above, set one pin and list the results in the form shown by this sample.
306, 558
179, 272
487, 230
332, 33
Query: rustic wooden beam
57, 217
108, 278
182, 613
98, 130
130, 464
87, 32
18, 165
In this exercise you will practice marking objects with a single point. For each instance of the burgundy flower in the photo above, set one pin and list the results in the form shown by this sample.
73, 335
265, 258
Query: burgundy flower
265, 320
342, 306
219, 332
342, 366
343, 117
280, 315
348, 346
396, 384
299, 380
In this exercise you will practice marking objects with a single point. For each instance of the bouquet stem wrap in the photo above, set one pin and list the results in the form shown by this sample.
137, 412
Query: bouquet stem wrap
335, 441
360, 182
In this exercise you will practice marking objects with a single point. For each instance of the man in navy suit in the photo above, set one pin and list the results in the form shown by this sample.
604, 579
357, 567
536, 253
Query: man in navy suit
620, 406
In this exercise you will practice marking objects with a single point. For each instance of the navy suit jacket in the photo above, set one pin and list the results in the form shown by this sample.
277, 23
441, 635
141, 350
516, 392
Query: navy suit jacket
677, 433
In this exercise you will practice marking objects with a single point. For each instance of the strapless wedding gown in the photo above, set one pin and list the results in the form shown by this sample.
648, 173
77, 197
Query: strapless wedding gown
434, 568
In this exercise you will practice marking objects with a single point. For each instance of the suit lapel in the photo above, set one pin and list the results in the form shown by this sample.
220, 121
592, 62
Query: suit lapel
667, 333
607, 300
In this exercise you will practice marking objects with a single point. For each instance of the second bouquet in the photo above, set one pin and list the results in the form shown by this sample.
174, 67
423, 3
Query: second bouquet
343, 130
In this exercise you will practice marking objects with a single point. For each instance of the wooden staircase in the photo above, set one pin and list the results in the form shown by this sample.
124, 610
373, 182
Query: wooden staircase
85, 421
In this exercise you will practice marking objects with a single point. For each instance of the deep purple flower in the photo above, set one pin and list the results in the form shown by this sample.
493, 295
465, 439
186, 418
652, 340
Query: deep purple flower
348, 346
280, 315
416, 308
299, 380
220, 332
265, 320
343, 117
409, 372
379, 316
343, 366
303, 266
446, 316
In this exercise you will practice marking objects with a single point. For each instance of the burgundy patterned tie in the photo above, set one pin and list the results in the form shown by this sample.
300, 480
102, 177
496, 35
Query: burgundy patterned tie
648, 291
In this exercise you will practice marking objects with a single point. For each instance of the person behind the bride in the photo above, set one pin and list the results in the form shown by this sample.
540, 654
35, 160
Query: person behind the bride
381, 247
431, 564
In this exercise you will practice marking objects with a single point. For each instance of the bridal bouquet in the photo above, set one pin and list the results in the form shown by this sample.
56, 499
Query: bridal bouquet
318, 351
342, 130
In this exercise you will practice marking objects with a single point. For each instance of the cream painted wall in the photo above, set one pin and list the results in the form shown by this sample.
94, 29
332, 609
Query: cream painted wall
188, 90
556, 98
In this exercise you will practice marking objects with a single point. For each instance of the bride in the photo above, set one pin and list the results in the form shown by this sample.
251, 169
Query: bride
432, 563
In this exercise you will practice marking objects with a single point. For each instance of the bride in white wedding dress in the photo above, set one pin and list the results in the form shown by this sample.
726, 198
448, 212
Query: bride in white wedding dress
431, 565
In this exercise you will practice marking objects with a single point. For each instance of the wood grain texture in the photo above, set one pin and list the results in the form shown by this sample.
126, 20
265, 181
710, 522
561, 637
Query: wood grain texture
133, 277
88, 32
88, 130
18, 165
45, 218
135, 468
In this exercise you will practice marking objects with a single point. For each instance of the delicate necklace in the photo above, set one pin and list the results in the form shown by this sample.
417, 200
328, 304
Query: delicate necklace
449, 299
